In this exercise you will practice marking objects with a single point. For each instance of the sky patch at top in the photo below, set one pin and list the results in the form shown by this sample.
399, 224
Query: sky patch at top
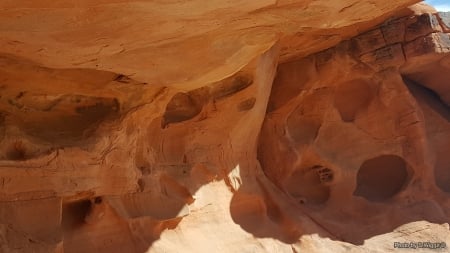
440, 5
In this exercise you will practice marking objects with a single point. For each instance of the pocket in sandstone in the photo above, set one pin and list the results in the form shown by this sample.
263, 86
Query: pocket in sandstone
381, 178
21, 149
248, 210
260, 215
437, 118
352, 97
74, 214
303, 130
325, 174
16, 151
64, 119
310, 185
304, 122
246, 104
96, 212
291, 79
231, 85
180, 108
122, 79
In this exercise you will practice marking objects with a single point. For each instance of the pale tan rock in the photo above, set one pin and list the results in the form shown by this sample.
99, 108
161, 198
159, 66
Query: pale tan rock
222, 126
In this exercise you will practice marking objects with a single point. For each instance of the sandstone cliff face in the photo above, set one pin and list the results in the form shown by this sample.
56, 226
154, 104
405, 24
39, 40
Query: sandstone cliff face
227, 126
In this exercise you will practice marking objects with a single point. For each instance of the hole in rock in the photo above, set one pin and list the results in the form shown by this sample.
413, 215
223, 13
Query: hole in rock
437, 112
145, 170
310, 186
291, 78
17, 151
433, 106
351, 97
381, 177
231, 86
74, 213
141, 184
122, 78
248, 210
98, 200
303, 130
429, 97
182, 107
246, 104
68, 119
325, 175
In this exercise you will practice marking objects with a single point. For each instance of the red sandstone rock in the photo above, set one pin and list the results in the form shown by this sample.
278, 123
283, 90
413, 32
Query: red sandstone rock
226, 126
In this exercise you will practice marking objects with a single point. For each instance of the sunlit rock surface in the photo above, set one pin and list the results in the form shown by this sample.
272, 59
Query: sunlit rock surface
223, 126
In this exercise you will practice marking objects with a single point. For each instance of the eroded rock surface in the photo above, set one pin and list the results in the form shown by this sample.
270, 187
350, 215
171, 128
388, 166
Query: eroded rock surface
236, 126
368, 111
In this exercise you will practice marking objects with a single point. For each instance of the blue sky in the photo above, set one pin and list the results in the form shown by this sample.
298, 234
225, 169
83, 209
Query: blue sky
440, 5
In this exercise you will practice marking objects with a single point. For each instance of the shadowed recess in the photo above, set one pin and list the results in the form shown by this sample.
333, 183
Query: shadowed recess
185, 106
61, 119
74, 214
433, 105
382, 177
231, 85
352, 97
310, 185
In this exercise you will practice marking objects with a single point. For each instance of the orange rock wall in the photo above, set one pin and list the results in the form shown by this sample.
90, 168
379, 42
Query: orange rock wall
236, 126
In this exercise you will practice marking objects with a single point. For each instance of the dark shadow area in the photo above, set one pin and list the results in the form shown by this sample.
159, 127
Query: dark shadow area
372, 211
277, 203
74, 214
310, 185
440, 141
382, 177
291, 79
256, 209
429, 97
70, 119
304, 199
185, 106
37, 118
169, 178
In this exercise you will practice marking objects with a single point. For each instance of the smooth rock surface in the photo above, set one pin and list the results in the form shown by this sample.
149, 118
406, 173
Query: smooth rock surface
223, 126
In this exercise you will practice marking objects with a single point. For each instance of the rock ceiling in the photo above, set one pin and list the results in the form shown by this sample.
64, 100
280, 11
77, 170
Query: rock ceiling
223, 126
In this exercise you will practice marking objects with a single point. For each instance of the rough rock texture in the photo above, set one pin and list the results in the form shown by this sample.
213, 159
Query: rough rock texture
360, 133
223, 126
